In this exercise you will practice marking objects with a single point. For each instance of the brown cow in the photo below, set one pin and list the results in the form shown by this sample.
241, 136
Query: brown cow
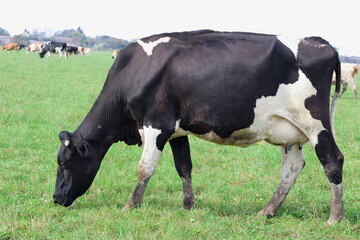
10, 46
115, 53
35, 47
81, 50
348, 77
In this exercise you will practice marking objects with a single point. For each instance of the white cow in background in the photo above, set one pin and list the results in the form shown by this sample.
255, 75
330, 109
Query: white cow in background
349, 74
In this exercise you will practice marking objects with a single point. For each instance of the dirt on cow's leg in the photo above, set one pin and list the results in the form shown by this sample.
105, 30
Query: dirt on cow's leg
292, 162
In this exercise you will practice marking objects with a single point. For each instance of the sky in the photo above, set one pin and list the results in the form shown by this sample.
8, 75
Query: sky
336, 21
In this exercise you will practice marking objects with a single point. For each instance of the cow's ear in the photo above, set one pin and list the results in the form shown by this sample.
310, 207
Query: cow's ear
83, 147
65, 135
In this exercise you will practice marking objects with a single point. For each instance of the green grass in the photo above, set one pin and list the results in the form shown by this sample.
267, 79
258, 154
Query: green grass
41, 97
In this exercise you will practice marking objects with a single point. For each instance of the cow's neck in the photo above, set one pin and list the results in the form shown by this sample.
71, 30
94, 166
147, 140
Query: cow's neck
99, 125
105, 123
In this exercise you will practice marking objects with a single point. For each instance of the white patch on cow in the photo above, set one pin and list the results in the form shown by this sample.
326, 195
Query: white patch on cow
151, 153
288, 103
177, 125
141, 132
281, 119
149, 47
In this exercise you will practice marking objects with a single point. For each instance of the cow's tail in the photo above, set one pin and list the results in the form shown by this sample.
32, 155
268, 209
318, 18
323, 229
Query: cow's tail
337, 90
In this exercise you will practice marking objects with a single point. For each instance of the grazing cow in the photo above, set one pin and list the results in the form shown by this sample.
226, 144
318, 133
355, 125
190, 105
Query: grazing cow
115, 53
54, 47
81, 50
87, 51
71, 50
35, 47
10, 47
21, 46
224, 87
349, 74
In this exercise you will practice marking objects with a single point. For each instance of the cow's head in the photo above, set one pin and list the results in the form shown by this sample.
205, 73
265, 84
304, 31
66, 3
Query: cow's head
78, 164
42, 54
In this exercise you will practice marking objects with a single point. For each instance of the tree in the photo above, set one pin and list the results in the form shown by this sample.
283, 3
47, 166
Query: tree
79, 38
80, 30
65, 33
3, 32
21, 39
115, 43
26, 32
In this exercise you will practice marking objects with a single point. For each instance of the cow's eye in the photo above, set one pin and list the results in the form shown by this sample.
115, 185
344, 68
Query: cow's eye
64, 166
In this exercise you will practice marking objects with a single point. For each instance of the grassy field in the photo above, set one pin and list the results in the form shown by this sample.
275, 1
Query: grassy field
41, 97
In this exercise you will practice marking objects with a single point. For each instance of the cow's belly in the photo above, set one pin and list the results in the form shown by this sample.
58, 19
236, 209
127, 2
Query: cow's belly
276, 130
283, 132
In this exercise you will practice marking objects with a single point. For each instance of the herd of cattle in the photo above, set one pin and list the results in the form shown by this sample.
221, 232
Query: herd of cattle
62, 49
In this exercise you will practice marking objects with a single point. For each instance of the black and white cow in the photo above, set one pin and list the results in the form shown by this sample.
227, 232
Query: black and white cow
71, 50
54, 47
225, 87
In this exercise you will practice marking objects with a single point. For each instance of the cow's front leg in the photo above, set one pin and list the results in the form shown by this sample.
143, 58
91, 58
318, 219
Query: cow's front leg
149, 159
292, 162
181, 151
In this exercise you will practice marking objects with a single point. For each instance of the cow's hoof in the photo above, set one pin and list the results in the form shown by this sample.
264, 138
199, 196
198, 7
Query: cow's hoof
189, 203
334, 220
266, 212
128, 207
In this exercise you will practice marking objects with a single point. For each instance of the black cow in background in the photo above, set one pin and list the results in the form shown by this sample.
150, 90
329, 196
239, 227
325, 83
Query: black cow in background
71, 50
54, 47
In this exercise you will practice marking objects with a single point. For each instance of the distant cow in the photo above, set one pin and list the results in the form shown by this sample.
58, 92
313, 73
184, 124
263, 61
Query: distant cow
87, 51
54, 47
349, 74
21, 46
225, 87
81, 50
71, 50
10, 47
35, 47
115, 53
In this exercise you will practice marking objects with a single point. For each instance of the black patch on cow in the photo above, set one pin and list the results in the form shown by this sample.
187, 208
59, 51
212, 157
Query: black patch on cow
330, 157
51, 47
316, 60
218, 77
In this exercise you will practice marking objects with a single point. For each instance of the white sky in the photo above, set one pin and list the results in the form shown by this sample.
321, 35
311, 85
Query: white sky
337, 21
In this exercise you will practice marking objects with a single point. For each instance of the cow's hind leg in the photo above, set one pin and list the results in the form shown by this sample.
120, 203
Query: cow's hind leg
149, 159
292, 162
344, 88
332, 161
181, 151
353, 87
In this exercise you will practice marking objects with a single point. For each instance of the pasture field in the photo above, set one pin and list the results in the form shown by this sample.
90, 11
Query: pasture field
41, 97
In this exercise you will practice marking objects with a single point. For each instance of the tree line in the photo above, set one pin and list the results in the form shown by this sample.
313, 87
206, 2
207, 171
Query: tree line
77, 37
